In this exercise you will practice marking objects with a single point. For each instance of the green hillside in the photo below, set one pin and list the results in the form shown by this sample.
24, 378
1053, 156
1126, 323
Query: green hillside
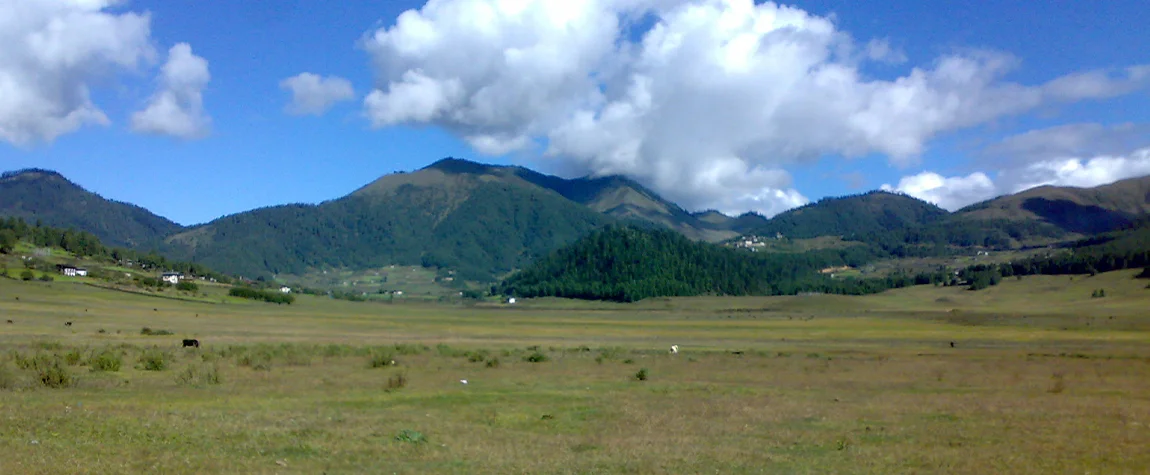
479, 224
48, 197
847, 216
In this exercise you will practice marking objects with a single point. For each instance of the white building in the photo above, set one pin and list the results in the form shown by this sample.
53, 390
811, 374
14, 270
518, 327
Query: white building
170, 277
285, 289
81, 272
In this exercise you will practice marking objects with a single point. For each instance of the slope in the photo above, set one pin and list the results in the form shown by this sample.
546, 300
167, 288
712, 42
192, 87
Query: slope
48, 197
476, 219
848, 216
1078, 211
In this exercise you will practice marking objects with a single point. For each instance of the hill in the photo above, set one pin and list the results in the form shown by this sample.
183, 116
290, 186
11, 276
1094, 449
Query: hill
628, 264
479, 220
1075, 211
48, 197
847, 216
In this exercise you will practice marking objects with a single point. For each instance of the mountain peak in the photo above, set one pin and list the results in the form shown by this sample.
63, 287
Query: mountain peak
32, 174
454, 165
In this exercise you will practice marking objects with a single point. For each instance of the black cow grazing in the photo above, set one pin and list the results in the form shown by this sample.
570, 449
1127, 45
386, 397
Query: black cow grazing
10, 322
952, 344
190, 343
67, 324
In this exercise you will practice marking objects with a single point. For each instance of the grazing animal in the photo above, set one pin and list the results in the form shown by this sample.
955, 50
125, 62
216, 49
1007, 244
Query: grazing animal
67, 324
190, 343
10, 322
674, 349
952, 344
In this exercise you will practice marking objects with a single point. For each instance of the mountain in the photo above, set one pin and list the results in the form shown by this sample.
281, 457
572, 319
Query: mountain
479, 220
50, 198
872, 212
1077, 211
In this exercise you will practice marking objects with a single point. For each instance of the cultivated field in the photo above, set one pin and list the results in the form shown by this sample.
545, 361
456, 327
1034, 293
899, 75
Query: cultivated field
1042, 379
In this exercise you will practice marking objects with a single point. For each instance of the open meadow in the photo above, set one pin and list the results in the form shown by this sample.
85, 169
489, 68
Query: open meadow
1031, 376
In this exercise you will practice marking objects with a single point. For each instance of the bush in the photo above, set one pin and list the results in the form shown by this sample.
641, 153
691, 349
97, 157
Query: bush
641, 375
399, 381
56, 376
187, 286
380, 360
535, 357
46, 278
411, 437
153, 360
264, 295
151, 332
105, 361
259, 361
493, 363
27, 275
199, 375
73, 357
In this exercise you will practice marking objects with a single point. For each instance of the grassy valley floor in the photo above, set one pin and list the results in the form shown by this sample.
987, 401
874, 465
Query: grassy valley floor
1042, 378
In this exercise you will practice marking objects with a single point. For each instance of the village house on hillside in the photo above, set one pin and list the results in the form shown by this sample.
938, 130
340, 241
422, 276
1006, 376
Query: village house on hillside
71, 271
171, 277
285, 289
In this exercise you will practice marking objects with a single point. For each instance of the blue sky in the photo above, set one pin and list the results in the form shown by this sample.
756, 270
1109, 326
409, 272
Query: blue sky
255, 154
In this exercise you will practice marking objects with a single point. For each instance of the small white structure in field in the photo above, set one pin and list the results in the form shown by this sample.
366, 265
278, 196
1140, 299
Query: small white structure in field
511, 301
464, 381
674, 349
285, 289
170, 277
81, 272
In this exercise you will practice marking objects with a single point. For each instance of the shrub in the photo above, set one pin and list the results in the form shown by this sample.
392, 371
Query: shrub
46, 278
257, 360
73, 357
1058, 383
27, 274
151, 332
628, 361
411, 437
187, 286
380, 360
641, 375
153, 360
493, 363
476, 356
106, 360
397, 382
199, 375
56, 376
264, 295
535, 357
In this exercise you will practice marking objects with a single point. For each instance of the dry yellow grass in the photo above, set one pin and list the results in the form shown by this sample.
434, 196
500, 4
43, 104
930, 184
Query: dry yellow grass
822, 384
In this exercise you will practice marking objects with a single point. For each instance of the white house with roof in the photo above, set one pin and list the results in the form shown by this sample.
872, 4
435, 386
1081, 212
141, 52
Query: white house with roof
171, 277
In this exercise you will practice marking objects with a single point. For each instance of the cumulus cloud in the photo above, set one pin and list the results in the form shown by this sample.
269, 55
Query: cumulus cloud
1071, 140
313, 94
949, 193
51, 52
955, 192
1080, 172
706, 106
177, 107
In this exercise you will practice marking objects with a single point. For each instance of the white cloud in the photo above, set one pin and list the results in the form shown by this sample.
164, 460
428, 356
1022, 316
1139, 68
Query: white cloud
50, 54
1084, 173
722, 89
950, 193
313, 94
1071, 140
177, 107
955, 192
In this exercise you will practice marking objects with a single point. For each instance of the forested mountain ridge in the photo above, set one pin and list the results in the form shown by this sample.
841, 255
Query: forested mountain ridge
486, 220
871, 212
48, 197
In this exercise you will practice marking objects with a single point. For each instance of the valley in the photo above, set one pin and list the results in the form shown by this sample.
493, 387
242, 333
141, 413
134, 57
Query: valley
786, 384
